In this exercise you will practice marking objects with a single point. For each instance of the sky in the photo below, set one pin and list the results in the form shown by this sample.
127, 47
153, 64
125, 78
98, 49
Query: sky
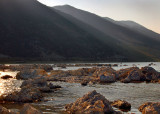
144, 12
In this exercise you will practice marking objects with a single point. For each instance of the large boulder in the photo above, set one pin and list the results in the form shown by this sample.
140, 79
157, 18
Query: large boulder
121, 104
31, 73
150, 108
90, 103
28, 109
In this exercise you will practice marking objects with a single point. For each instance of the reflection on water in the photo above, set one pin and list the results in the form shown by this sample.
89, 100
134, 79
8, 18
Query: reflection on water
9, 86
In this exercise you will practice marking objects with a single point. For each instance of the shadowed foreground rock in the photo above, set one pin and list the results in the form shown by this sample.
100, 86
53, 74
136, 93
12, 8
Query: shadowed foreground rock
122, 105
28, 109
91, 103
150, 108
3, 110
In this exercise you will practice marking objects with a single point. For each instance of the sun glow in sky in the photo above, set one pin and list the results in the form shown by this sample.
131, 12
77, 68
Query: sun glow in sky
144, 12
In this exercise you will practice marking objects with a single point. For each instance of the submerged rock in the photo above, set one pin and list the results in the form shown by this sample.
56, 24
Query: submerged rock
121, 104
150, 108
28, 109
90, 103
31, 73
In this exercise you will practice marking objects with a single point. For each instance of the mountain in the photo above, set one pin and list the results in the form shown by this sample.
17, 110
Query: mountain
136, 27
31, 31
128, 37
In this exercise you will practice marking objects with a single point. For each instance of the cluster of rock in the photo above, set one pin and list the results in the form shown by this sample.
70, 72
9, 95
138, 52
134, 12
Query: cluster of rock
106, 75
31, 91
95, 103
26, 109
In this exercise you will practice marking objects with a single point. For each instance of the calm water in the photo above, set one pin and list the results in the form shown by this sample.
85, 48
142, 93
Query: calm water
136, 94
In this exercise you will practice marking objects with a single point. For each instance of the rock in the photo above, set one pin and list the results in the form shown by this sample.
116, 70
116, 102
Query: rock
121, 104
90, 103
124, 73
150, 108
150, 73
84, 83
31, 73
105, 71
27, 94
51, 86
107, 79
6, 77
28, 109
3, 110
36, 82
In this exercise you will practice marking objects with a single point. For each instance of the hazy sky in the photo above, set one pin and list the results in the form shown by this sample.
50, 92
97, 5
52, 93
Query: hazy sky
145, 12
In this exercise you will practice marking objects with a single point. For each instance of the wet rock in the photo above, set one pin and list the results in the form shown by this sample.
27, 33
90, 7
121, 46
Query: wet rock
133, 76
107, 79
150, 73
82, 72
123, 73
36, 82
28, 109
26, 94
90, 103
31, 73
6, 77
150, 108
40, 83
121, 104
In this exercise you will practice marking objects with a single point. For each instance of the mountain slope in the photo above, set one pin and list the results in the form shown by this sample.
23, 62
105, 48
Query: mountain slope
128, 37
136, 27
30, 30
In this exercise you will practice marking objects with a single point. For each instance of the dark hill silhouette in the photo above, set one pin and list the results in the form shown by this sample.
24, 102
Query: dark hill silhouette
30, 30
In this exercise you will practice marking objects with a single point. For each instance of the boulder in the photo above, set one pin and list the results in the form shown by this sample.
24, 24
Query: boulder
25, 95
150, 73
121, 104
28, 109
107, 79
40, 83
6, 77
31, 73
150, 108
90, 103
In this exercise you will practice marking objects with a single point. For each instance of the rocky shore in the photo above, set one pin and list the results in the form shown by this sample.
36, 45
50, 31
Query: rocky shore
37, 82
